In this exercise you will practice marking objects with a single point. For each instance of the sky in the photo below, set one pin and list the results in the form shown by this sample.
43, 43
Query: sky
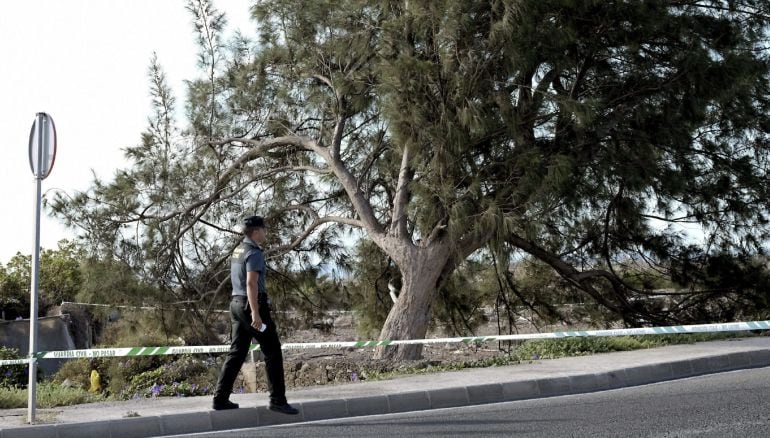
85, 63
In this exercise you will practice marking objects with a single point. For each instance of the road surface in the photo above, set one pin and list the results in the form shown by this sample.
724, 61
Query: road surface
734, 404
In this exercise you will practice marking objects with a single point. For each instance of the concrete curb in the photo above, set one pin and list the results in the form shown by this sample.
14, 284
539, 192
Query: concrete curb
211, 421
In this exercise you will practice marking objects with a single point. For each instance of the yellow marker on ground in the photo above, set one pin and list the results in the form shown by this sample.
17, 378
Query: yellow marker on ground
96, 382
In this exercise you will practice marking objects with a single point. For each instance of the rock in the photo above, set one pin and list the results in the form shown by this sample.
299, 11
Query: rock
344, 321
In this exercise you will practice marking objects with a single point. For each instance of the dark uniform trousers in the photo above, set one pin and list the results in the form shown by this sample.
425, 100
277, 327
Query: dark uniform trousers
242, 333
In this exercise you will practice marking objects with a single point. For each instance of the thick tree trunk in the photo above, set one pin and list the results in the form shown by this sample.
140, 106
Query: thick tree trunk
410, 316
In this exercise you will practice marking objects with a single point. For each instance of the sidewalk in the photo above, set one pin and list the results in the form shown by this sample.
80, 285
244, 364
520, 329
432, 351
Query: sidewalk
543, 378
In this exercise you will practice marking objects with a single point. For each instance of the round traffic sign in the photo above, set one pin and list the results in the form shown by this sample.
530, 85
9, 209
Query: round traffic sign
42, 145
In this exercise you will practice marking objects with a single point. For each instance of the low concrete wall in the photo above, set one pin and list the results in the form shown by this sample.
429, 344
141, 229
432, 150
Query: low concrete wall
53, 335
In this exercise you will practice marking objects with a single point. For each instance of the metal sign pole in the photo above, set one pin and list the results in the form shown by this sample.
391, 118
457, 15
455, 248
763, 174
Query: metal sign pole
42, 154
32, 385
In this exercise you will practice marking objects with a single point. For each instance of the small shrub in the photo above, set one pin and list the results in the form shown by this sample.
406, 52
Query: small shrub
76, 371
11, 398
12, 376
555, 348
120, 371
49, 395
186, 376
131, 331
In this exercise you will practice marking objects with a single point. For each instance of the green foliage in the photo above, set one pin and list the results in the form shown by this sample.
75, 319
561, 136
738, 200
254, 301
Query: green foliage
568, 347
13, 298
77, 372
369, 288
134, 329
301, 299
531, 288
183, 377
737, 285
12, 376
143, 376
460, 301
12, 398
141, 328
60, 278
49, 395
552, 349
119, 372
113, 282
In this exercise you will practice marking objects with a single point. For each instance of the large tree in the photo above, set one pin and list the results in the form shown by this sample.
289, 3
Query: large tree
575, 131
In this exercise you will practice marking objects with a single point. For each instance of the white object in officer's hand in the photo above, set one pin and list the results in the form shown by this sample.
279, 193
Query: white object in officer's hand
263, 327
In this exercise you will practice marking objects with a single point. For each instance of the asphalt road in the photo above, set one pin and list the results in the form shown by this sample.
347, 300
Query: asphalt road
735, 404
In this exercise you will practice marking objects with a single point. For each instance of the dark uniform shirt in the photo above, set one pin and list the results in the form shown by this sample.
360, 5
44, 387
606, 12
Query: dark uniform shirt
247, 257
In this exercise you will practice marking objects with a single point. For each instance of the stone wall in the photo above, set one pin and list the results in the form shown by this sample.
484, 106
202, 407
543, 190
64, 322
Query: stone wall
53, 334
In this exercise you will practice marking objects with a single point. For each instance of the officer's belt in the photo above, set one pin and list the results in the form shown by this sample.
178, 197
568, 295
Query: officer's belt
260, 295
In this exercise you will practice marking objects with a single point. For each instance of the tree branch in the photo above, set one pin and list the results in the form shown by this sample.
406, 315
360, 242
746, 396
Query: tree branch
217, 195
360, 203
339, 129
317, 221
567, 271
348, 181
260, 146
398, 223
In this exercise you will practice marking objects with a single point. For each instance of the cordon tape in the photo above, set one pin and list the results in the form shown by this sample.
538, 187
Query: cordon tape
170, 350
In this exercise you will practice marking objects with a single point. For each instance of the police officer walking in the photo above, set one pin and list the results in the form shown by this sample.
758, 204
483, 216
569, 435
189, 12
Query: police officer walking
250, 318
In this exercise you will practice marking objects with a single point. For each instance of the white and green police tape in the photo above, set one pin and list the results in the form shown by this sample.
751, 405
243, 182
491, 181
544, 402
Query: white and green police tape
157, 351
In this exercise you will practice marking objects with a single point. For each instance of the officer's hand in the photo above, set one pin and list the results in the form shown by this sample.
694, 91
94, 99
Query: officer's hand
256, 322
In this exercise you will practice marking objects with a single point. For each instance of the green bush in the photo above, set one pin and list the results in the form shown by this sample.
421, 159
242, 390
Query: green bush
144, 376
183, 377
137, 329
132, 330
119, 371
76, 371
115, 373
12, 376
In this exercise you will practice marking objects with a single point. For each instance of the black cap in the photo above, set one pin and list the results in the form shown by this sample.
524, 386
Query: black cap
254, 221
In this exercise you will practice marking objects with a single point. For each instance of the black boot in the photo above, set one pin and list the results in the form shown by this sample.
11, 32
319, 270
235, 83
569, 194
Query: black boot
222, 405
283, 409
